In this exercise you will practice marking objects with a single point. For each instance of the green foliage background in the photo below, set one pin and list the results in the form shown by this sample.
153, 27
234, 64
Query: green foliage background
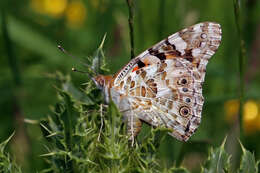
32, 91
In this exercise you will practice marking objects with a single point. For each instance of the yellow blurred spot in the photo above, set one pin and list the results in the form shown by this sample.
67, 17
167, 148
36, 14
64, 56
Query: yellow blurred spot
251, 117
251, 114
231, 108
37, 5
55, 7
250, 110
76, 13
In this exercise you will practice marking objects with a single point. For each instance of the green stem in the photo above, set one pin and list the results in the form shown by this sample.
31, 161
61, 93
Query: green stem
161, 16
18, 116
130, 4
242, 60
9, 50
141, 35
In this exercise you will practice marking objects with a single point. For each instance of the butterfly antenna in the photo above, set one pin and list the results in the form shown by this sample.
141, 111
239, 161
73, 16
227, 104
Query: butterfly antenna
72, 56
66, 52
84, 72
76, 70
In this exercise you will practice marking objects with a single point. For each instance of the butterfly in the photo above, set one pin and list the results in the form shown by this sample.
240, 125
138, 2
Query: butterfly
163, 85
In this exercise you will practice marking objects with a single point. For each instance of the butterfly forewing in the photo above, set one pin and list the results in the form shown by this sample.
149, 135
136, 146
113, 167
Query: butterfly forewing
163, 85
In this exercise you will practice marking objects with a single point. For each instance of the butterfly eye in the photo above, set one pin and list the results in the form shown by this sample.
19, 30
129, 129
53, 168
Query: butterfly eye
184, 111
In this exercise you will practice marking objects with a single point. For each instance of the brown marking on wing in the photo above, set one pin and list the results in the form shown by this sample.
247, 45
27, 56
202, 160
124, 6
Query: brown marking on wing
143, 74
128, 80
164, 75
167, 82
162, 67
188, 55
170, 104
122, 84
132, 84
150, 93
162, 101
143, 92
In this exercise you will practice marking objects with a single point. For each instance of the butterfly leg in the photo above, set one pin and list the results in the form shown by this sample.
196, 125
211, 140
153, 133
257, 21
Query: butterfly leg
134, 126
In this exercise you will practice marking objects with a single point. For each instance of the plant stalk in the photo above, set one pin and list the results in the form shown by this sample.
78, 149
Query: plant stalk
161, 16
130, 4
242, 63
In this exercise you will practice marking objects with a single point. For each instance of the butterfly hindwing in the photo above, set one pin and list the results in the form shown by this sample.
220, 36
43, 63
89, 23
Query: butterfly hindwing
165, 96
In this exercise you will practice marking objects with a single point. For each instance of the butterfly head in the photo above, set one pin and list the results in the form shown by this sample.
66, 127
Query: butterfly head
103, 82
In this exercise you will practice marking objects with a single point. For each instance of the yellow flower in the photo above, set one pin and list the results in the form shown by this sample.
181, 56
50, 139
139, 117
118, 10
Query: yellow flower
55, 7
250, 110
251, 116
231, 108
76, 13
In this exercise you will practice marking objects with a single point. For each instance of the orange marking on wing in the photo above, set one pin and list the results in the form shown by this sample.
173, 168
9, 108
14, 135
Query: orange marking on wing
136, 68
170, 56
146, 61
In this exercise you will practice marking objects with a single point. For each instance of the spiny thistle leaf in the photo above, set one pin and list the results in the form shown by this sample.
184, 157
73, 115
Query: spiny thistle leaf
69, 118
99, 64
248, 163
3, 144
7, 164
218, 161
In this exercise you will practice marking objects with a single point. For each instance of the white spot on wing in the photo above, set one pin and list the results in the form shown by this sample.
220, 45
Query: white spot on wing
215, 37
203, 62
197, 27
209, 53
178, 42
163, 92
203, 44
151, 70
184, 30
203, 35
196, 52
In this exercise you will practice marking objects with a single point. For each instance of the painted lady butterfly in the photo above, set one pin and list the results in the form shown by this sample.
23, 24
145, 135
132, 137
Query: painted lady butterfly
163, 85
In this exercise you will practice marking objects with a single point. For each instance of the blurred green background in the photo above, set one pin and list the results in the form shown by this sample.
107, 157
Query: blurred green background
32, 29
